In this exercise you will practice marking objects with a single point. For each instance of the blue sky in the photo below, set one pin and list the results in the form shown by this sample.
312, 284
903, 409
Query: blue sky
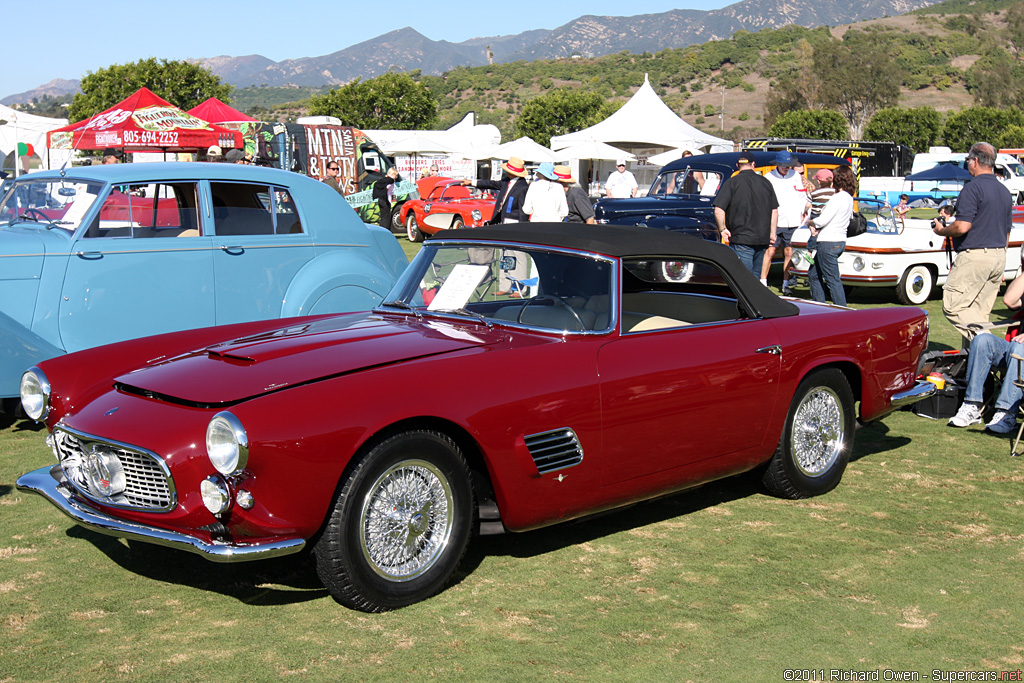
63, 39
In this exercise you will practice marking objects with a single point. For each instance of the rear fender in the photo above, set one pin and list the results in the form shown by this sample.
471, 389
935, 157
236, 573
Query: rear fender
337, 282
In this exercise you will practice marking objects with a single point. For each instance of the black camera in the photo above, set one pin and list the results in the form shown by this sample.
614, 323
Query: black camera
941, 220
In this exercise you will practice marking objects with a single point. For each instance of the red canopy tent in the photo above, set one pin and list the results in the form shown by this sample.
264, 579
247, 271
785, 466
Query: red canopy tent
215, 111
143, 122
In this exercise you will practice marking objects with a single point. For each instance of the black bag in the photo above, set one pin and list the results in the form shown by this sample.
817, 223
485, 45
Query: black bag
858, 225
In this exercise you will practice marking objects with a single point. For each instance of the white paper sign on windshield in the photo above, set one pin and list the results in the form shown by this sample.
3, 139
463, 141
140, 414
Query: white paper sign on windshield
460, 285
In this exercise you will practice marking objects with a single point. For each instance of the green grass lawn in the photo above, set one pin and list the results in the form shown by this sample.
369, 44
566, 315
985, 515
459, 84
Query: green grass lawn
914, 563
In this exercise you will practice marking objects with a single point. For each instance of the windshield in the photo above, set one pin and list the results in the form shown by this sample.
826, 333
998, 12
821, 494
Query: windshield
539, 288
879, 215
52, 202
688, 181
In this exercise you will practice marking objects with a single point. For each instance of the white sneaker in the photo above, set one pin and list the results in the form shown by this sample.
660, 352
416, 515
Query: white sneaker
969, 414
1003, 422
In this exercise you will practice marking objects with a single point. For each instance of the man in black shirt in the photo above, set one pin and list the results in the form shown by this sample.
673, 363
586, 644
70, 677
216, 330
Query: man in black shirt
747, 213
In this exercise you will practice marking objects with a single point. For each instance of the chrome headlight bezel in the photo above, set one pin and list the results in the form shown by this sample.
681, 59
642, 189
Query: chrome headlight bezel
227, 444
35, 394
476, 214
215, 494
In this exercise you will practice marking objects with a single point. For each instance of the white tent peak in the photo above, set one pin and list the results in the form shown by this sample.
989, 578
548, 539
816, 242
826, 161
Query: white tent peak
645, 121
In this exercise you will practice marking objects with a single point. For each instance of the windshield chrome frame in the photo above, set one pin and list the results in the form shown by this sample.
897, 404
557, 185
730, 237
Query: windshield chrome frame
402, 289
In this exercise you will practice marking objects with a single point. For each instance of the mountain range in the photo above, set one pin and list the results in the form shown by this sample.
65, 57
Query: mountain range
588, 36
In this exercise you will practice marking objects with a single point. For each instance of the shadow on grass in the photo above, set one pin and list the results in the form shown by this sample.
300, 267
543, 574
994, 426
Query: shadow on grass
20, 424
873, 439
279, 581
542, 541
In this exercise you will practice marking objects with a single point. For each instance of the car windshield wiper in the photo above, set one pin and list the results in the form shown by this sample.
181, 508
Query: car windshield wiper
466, 312
49, 222
398, 303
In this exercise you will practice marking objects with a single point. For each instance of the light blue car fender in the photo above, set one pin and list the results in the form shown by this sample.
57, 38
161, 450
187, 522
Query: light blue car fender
336, 282
22, 348
391, 250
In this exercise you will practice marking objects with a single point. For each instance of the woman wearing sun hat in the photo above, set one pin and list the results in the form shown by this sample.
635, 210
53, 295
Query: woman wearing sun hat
581, 209
545, 200
511, 192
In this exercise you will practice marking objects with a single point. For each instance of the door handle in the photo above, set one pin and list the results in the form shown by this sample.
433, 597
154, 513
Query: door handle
89, 255
232, 250
774, 349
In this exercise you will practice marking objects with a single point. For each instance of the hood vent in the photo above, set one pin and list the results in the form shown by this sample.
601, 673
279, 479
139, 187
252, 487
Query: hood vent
555, 450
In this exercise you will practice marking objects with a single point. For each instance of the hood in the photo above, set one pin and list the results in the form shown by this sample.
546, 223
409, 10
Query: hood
243, 368
21, 253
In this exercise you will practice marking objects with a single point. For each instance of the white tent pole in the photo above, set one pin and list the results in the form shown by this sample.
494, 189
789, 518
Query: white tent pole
15, 121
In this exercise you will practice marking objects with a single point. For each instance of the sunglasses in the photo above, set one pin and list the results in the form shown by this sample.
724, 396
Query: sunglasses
333, 168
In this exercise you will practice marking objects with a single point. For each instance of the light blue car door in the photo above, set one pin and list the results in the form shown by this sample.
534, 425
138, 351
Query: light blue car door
143, 267
260, 244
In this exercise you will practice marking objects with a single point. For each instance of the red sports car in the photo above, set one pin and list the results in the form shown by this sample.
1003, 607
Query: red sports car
616, 364
447, 205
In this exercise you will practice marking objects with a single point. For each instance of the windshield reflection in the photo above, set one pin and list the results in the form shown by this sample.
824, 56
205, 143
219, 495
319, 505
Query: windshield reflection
52, 203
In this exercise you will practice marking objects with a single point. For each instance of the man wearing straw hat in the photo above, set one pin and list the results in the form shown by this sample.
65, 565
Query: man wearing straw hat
581, 209
511, 192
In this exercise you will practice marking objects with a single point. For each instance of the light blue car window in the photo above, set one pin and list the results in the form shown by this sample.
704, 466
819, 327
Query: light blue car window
249, 209
149, 210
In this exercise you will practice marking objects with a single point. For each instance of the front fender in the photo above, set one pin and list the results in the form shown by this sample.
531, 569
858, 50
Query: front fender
20, 349
336, 282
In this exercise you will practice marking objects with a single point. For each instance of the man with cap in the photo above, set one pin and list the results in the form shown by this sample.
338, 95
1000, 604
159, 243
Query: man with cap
581, 209
235, 156
747, 213
621, 183
112, 156
792, 195
214, 153
511, 192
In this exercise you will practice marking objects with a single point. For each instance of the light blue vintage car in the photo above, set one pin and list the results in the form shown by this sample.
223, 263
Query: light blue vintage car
100, 254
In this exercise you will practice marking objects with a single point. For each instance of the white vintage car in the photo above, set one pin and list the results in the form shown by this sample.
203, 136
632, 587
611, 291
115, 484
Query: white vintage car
900, 253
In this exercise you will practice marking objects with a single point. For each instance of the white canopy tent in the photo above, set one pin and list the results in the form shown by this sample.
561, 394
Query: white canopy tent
524, 148
28, 129
644, 126
463, 144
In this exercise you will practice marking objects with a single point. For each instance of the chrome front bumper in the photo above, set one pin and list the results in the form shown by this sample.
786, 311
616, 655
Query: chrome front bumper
49, 483
919, 391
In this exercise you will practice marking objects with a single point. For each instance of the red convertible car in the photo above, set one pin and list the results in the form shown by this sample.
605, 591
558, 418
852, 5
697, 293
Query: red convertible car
571, 372
448, 205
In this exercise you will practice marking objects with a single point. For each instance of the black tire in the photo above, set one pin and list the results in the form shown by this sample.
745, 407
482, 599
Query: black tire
915, 287
412, 230
396, 220
421, 535
816, 440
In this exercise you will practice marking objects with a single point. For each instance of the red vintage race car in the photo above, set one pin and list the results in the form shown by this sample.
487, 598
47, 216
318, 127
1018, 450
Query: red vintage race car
569, 372
447, 205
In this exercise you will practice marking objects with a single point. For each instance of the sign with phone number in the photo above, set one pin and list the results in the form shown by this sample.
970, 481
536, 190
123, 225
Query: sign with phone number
150, 138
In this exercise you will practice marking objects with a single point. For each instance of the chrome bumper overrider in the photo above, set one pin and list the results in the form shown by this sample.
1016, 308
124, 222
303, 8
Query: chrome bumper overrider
914, 394
49, 483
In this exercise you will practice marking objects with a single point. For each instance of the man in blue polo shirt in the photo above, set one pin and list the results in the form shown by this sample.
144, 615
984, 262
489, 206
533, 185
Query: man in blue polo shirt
980, 233
747, 213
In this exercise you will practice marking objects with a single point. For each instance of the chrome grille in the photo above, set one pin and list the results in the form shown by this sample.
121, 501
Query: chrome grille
148, 484
554, 450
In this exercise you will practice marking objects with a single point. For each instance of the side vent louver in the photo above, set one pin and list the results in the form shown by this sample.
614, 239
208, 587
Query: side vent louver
555, 450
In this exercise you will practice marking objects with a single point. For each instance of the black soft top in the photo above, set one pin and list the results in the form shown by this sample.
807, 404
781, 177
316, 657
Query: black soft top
628, 241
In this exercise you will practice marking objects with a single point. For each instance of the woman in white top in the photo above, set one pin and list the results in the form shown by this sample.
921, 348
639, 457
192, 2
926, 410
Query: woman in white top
830, 229
545, 200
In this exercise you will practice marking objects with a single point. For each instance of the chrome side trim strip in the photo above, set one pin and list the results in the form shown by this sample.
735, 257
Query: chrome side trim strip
48, 482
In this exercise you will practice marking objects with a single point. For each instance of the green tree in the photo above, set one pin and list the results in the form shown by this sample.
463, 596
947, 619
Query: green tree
857, 76
917, 128
976, 124
1012, 137
183, 84
390, 101
814, 124
561, 111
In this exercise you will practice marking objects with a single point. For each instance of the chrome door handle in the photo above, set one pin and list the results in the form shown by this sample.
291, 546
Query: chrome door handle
774, 349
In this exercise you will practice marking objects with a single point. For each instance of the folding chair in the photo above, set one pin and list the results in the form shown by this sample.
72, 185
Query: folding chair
1019, 382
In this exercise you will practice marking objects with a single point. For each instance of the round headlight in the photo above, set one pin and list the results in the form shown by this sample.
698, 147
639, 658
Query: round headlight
858, 264
215, 495
476, 214
35, 394
227, 445
106, 476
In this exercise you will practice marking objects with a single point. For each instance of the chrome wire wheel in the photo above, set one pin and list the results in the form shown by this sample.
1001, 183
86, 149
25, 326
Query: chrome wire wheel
406, 520
818, 431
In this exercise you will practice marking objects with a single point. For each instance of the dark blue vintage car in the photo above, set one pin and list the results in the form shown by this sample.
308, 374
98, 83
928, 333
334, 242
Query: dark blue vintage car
681, 196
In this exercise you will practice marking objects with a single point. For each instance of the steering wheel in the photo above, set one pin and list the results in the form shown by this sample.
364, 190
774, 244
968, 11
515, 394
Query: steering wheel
35, 214
555, 299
